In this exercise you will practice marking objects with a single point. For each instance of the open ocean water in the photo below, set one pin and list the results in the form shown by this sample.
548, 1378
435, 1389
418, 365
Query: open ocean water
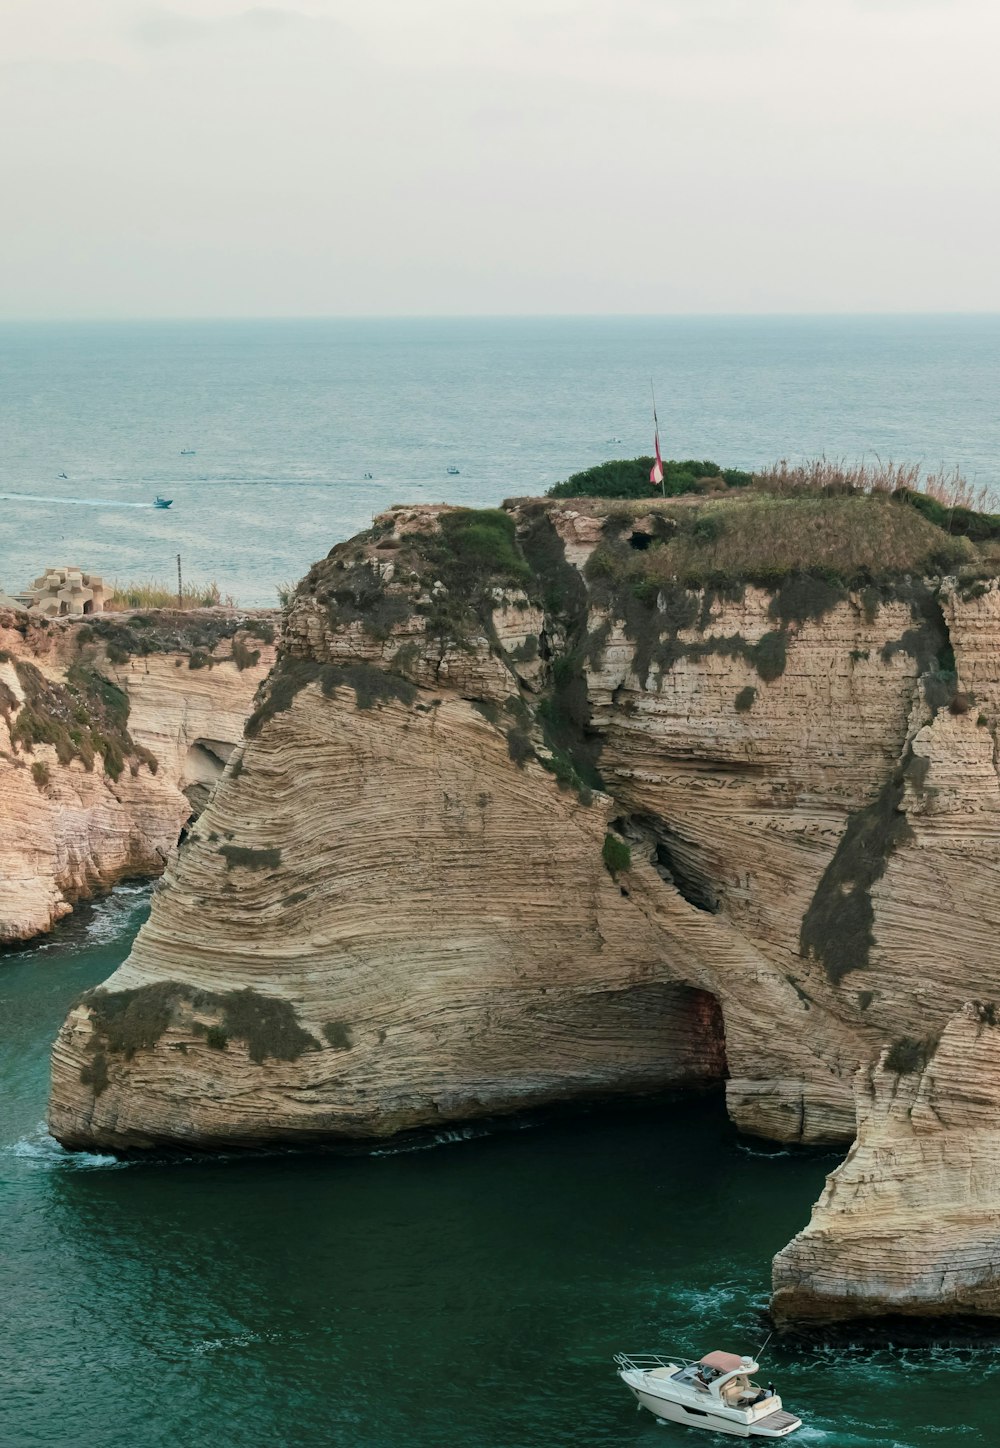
285, 419
470, 1294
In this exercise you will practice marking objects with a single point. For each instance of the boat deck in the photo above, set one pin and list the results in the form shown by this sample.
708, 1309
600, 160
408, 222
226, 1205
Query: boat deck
777, 1419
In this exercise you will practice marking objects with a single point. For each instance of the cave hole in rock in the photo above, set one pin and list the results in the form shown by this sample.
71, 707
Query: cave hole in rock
639, 539
708, 1027
694, 1035
675, 859
203, 765
659, 1035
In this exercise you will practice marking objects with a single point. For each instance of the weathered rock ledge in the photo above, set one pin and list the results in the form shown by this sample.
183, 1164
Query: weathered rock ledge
511, 824
112, 733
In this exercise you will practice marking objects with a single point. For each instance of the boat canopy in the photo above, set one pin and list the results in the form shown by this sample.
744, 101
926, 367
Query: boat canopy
726, 1362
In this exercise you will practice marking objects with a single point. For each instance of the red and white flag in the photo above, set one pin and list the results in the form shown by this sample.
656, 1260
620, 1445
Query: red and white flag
656, 471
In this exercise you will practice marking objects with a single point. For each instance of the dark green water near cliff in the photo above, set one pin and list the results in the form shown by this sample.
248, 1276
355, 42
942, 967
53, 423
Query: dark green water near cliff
466, 1296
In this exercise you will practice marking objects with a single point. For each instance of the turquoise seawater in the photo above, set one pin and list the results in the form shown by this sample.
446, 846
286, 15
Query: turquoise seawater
468, 1294
285, 419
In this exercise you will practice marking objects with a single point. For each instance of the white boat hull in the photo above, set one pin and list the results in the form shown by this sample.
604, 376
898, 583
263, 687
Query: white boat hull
674, 1413
671, 1411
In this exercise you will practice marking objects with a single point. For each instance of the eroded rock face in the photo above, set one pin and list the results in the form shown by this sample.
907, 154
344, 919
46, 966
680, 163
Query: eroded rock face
907, 1225
101, 749
400, 907
426, 994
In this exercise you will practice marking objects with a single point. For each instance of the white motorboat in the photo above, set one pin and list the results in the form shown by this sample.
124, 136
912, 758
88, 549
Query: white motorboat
716, 1392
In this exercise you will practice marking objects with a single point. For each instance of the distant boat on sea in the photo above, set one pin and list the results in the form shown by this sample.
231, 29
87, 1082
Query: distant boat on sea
187, 452
368, 477
453, 472
159, 502
61, 475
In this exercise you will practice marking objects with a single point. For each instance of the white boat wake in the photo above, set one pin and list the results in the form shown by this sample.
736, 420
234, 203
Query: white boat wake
76, 502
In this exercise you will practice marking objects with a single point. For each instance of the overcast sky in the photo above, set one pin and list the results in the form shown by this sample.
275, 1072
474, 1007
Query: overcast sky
323, 157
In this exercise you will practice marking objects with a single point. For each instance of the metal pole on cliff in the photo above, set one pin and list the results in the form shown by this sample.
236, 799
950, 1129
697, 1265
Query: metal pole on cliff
180, 586
656, 472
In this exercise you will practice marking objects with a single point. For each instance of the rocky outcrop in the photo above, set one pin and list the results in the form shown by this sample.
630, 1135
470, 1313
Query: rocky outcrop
111, 734
515, 821
907, 1225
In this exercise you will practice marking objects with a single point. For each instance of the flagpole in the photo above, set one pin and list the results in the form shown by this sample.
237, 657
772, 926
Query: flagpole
656, 435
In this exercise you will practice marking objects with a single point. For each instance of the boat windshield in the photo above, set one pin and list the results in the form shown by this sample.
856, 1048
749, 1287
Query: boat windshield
696, 1375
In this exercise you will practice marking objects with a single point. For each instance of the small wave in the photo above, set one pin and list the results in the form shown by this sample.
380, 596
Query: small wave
439, 1138
767, 1155
715, 1299
42, 1150
94, 922
110, 916
881, 1364
452, 1136
241, 1339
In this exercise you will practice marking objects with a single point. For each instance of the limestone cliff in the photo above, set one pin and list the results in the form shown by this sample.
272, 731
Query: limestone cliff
112, 731
518, 818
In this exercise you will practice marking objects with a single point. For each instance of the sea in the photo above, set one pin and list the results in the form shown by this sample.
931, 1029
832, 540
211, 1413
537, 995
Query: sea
466, 1289
263, 433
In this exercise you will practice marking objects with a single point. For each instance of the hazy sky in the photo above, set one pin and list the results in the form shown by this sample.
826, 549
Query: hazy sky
319, 157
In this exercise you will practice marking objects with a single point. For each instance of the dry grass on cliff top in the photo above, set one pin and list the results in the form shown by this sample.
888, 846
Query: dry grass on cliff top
764, 537
947, 487
153, 594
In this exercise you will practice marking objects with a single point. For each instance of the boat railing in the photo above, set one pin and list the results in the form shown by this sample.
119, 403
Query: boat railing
646, 1361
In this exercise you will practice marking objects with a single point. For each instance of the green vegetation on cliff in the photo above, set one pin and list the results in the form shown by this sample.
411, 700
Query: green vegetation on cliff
616, 855
289, 676
166, 632
81, 719
629, 478
660, 567
764, 539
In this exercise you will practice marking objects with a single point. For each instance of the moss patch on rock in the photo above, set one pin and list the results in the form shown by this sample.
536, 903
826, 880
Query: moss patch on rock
339, 1035
250, 857
125, 1022
837, 929
908, 1056
372, 686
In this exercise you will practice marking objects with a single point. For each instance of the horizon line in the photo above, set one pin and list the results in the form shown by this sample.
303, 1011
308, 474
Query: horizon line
103, 319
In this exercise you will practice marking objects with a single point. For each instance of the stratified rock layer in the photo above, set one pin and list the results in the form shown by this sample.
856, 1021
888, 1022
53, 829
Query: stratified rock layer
400, 909
104, 753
